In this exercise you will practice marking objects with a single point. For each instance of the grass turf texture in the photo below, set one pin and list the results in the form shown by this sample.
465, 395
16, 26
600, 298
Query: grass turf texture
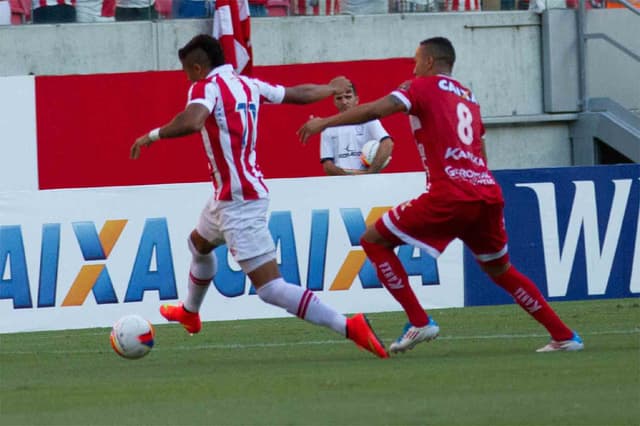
483, 370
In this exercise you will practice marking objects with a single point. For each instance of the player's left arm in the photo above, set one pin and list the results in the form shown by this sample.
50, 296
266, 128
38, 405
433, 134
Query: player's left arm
189, 121
362, 113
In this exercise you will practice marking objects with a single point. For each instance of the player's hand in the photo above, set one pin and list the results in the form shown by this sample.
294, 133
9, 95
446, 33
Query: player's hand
313, 126
340, 84
137, 145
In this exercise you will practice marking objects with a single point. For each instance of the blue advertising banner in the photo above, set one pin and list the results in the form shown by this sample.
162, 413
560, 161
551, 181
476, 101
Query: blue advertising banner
574, 231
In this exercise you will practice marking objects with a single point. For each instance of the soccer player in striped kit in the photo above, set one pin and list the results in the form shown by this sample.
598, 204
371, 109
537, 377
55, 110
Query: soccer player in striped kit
462, 199
224, 107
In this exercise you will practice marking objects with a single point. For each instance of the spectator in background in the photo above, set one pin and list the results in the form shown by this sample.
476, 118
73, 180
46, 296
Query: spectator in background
404, 6
135, 10
588, 4
20, 11
364, 7
54, 11
341, 147
514, 4
189, 8
461, 6
90, 11
257, 8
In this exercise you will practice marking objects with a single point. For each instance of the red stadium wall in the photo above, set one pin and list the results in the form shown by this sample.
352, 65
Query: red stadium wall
86, 124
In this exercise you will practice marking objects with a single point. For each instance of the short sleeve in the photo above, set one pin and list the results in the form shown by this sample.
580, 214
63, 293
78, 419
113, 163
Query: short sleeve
326, 146
203, 92
272, 93
404, 94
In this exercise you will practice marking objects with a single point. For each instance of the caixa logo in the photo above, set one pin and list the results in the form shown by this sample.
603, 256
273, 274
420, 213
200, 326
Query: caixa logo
154, 248
154, 245
232, 283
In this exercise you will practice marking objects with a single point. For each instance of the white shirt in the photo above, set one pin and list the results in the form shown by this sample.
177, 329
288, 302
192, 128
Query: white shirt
343, 144
230, 133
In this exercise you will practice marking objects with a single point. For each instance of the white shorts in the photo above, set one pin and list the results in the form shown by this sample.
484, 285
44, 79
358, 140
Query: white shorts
242, 225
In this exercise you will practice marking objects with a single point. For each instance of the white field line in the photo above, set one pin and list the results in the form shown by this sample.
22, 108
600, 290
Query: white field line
312, 342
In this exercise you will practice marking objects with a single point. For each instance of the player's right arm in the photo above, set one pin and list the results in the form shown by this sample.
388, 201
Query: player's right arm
191, 120
359, 114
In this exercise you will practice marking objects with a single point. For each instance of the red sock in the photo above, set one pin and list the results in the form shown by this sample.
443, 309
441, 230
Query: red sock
527, 295
394, 277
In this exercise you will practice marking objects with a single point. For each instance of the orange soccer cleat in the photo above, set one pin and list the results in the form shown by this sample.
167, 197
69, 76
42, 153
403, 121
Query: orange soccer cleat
189, 320
359, 330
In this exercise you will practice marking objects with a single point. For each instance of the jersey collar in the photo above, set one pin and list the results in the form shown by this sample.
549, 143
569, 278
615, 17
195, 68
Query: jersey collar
226, 68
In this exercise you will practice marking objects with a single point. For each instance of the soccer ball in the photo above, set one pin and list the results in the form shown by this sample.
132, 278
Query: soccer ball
132, 336
369, 151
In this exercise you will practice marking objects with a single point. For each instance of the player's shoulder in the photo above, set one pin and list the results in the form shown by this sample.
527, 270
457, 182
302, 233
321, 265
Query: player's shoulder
204, 82
419, 84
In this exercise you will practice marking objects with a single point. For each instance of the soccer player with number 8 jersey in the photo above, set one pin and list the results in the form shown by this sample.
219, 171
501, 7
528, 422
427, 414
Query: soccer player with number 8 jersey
461, 200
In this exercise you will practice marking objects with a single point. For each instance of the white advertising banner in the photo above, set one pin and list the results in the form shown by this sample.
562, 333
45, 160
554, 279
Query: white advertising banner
82, 258
18, 152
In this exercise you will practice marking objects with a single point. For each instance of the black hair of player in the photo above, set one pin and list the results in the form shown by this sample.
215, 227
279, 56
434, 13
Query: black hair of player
441, 49
204, 50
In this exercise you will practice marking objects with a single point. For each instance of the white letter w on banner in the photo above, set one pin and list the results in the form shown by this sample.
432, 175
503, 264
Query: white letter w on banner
559, 260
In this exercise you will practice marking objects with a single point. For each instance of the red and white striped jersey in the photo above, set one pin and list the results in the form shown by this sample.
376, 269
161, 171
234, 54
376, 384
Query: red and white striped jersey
230, 132
461, 5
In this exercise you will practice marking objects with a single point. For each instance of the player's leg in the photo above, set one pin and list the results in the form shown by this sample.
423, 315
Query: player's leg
265, 276
253, 248
529, 297
412, 223
392, 274
488, 240
202, 269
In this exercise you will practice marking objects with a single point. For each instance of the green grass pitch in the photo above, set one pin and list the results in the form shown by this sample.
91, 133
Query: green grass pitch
482, 370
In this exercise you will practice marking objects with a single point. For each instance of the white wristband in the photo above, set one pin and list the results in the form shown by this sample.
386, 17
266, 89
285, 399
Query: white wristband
154, 135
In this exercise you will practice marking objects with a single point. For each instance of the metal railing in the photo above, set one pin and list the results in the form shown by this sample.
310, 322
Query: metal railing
582, 48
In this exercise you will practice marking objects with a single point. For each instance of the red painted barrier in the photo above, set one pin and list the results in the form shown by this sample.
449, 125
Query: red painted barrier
86, 124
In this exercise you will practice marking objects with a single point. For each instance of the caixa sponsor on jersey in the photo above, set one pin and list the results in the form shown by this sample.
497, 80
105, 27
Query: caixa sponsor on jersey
575, 231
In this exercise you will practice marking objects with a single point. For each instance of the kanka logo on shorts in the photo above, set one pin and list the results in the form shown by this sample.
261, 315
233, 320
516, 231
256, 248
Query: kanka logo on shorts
232, 283
154, 248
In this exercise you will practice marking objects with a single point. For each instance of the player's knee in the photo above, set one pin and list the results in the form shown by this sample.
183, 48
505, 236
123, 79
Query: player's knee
497, 267
198, 245
367, 246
